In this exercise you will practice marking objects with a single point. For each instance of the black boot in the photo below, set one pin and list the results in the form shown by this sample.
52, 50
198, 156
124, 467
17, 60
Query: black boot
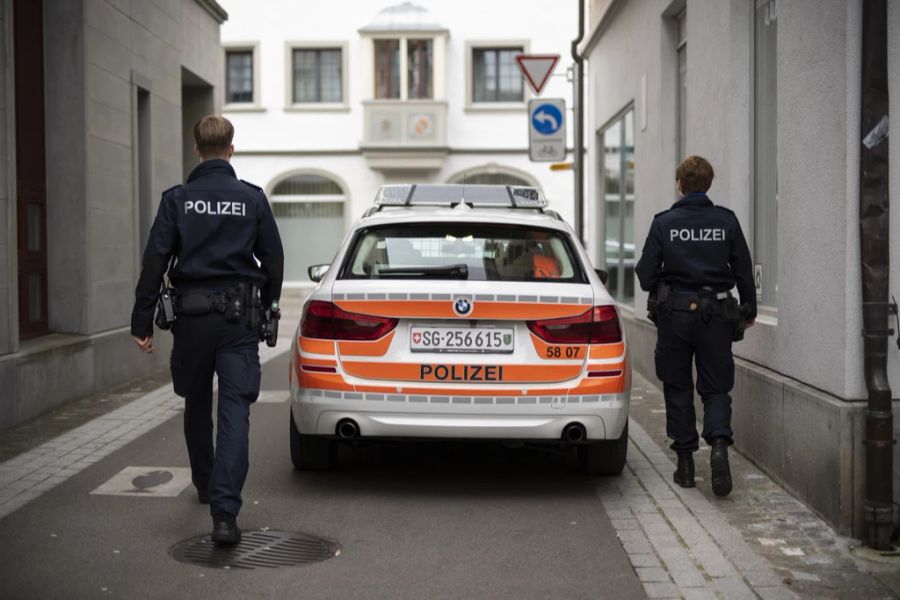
225, 530
718, 464
684, 476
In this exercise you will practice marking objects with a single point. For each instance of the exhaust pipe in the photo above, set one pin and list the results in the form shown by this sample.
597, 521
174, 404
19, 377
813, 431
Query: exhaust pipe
347, 429
574, 432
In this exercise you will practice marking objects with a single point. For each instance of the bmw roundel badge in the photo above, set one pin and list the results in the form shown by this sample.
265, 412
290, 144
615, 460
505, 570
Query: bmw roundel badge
462, 306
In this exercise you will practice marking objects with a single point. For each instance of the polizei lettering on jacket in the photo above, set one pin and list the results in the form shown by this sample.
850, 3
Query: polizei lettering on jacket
461, 372
205, 207
697, 235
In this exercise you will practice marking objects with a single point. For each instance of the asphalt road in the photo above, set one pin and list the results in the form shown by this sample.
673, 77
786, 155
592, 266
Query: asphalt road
412, 520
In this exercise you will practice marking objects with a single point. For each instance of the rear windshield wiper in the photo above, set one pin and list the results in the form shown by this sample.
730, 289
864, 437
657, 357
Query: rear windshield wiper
460, 271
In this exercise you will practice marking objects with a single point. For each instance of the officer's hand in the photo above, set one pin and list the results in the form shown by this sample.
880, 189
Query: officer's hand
145, 344
750, 323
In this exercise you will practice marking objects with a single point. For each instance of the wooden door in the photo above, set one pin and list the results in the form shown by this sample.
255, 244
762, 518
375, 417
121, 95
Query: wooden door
30, 167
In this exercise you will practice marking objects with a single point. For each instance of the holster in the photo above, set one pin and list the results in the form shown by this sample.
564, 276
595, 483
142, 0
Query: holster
165, 310
663, 305
740, 322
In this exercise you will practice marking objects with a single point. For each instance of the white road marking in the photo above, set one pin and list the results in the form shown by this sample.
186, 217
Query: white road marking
127, 482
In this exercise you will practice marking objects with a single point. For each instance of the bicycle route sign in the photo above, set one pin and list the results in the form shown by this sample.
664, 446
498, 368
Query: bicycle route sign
546, 129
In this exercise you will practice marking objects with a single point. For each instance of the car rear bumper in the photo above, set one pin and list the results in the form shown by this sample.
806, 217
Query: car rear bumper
317, 412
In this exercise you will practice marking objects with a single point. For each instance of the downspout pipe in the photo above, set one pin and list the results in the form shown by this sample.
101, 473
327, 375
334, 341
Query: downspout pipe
874, 229
578, 102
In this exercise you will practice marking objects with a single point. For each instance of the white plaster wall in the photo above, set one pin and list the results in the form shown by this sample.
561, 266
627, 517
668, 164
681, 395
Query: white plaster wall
273, 23
814, 334
615, 68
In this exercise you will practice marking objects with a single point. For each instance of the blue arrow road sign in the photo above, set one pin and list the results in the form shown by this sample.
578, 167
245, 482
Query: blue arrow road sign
546, 119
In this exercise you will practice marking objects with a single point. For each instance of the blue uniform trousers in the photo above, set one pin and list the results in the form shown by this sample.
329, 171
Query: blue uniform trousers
206, 345
683, 337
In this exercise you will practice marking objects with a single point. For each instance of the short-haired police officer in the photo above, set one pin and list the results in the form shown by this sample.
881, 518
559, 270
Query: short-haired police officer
694, 254
216, 227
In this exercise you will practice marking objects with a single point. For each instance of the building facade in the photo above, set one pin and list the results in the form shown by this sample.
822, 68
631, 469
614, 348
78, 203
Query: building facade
332, 100
97, 103
769, 92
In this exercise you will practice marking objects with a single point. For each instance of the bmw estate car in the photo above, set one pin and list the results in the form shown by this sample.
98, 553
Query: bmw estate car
460, 312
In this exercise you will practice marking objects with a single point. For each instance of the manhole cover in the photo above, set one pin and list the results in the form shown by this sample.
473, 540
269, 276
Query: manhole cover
258, 549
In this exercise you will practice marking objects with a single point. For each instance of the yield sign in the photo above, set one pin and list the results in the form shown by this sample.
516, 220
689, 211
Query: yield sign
537, 68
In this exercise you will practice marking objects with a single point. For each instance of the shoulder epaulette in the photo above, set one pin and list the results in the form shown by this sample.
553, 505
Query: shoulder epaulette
171, 189
661, 213
725, 208
254, 186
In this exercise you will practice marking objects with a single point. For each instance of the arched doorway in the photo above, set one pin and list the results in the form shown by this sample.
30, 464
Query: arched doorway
493, 175
309, 210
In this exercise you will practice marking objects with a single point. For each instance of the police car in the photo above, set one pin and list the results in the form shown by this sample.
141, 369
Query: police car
466, 312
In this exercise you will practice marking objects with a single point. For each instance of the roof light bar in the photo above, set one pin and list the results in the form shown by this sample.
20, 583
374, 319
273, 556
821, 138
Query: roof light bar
454, 194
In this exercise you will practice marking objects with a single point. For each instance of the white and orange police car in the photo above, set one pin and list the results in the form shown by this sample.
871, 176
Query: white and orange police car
462, 312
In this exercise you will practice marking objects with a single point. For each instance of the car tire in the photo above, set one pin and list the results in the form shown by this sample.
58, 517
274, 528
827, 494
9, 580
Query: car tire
310, 452
606, 457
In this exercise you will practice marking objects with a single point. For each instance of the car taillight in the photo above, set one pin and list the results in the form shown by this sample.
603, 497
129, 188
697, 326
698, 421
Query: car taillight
599, 325
325, 320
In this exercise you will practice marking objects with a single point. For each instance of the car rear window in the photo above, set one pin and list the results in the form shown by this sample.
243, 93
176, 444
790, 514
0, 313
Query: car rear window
472, 251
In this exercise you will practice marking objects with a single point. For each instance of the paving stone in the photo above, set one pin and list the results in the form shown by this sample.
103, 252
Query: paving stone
652, 574
698, 593
643, 560
733, 588
661, 590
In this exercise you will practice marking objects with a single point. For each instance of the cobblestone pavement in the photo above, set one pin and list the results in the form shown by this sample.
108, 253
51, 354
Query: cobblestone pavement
805, 554
757, 543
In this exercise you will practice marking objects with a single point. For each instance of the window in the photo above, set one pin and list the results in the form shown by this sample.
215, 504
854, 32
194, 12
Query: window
765, 152
419, 64
387, 69
617, 142
239, 77
492, 178
681, 94
495, 75
472, 251
317, 75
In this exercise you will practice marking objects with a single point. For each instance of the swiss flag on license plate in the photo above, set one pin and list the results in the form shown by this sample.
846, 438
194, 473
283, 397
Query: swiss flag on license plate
417, 337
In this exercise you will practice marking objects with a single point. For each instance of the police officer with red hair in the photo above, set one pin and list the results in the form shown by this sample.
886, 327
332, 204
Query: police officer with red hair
695, 253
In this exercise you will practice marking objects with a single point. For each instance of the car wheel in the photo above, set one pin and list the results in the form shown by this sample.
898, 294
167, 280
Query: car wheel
310, 452
606, 457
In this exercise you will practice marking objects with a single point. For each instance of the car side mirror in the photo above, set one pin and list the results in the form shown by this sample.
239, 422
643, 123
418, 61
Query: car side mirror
317, 272
603, 275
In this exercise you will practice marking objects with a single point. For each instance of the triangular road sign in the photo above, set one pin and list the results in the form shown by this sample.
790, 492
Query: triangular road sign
537, 68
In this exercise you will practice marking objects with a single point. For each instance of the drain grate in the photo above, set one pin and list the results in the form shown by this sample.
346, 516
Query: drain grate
258, 549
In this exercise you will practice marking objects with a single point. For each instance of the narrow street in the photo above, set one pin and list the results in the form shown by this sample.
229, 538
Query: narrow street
423, 520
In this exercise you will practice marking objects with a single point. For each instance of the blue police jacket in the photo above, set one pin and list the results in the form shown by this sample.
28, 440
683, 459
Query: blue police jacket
695, 244
216, 226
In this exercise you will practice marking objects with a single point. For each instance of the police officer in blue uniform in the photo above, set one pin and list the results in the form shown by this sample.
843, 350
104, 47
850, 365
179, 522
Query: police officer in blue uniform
209, 233
694, 254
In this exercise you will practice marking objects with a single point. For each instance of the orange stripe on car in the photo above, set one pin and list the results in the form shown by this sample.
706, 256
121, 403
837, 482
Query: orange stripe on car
376, 348
455, 373
314, 346
443, 309
323, 381
607, 350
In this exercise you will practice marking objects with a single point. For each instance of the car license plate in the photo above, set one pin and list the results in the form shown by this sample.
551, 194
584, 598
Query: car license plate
497, 340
